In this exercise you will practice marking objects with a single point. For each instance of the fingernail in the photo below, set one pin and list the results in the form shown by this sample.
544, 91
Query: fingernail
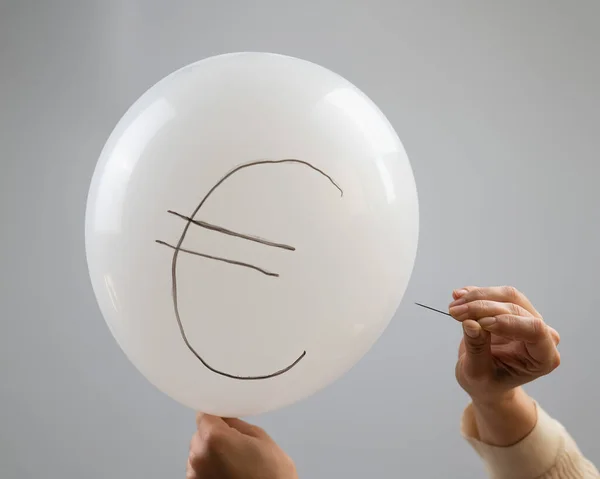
471, 330
458, 302
460, 292
486, 322
458, 310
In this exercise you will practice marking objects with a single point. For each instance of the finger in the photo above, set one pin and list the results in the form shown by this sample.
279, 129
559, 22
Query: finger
555, 335
507, 294
196, 444
246, 428
478, 360
190, 473
481, 308
199, 416
213, 436
532, 330
461, 348
522, 328
495, 340
504, 294
209, 425
458, 293
197, 452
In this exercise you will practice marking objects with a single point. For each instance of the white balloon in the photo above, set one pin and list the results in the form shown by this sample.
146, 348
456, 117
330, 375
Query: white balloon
251, 228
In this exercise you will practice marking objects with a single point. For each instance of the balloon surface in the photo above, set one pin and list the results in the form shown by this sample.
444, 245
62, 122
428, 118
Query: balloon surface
251, 228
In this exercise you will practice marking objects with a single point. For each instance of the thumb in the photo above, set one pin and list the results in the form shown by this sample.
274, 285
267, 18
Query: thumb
478, 359
245, 428
210, 426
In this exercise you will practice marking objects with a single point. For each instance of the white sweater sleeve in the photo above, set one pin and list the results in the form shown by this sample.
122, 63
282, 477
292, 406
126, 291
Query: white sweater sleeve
547, 452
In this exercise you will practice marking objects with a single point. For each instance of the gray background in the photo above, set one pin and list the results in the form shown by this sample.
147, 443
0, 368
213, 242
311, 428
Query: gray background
497, 105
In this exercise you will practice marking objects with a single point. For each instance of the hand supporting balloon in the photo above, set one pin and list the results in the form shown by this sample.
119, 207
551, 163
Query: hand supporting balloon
234, 449
506, 344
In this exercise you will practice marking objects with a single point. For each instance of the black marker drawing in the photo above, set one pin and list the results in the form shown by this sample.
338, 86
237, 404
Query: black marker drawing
191, 220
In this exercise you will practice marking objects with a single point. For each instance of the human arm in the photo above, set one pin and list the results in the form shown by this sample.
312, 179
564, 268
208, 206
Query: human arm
545, 452
513, 435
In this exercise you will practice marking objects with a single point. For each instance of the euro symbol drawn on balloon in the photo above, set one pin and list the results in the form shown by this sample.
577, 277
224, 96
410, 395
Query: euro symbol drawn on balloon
191, 220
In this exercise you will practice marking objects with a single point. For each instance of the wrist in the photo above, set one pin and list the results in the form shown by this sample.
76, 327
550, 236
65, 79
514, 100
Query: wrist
499, 400
506, 419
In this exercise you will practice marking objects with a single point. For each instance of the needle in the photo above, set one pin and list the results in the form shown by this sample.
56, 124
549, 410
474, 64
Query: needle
432, 309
